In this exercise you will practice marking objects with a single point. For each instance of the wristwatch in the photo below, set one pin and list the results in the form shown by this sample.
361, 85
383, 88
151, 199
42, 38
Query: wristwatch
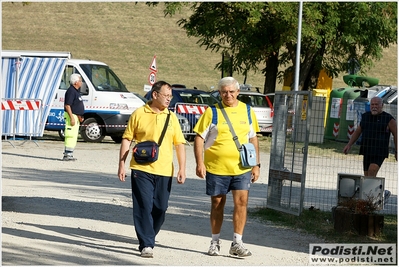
258, 165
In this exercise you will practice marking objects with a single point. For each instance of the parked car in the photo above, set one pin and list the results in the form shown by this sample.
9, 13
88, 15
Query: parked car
141, 97
178, 85
183, 121
189, 96
261, 104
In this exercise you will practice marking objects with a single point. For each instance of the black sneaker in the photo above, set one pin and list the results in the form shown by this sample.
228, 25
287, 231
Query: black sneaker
68, 158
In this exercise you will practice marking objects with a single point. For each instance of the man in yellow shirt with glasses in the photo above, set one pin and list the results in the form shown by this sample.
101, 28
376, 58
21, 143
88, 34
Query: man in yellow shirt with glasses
218, 160
152, 182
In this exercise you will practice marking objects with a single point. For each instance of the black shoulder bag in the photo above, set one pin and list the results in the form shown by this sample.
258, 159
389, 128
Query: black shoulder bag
147, 151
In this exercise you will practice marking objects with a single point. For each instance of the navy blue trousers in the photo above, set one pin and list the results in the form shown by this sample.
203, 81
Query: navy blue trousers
150, 195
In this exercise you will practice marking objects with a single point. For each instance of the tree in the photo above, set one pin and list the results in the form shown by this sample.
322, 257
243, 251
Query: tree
256, 33
336, 33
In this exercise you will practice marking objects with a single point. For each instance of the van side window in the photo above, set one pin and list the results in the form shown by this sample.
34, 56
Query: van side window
64, 85
103, 78
65, 82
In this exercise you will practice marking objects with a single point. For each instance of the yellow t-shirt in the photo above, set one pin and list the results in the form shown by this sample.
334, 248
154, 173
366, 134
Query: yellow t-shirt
146, 125
221, 155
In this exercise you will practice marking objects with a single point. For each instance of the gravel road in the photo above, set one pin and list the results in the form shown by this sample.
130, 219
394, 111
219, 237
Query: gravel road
79, 213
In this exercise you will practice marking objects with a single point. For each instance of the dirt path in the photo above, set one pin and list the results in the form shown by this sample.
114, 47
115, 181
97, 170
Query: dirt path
78, 213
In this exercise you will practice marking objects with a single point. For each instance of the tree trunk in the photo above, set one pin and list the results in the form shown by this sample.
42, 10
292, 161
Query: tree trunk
270, 72
315, 68
311, 80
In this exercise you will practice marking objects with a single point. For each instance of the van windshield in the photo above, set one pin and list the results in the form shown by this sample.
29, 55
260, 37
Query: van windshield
103, 78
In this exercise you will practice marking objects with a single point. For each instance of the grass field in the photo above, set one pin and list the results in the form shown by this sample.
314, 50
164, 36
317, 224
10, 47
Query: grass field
126, 36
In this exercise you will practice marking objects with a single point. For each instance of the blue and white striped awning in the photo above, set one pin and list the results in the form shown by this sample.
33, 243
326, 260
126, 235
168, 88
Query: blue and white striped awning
29, 78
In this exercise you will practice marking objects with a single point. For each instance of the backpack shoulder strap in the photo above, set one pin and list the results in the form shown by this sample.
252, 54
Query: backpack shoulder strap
249, 114
214, 115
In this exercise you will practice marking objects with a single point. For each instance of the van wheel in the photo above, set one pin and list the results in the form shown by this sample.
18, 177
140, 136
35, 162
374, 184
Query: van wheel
117, 138
61, 133
91, 131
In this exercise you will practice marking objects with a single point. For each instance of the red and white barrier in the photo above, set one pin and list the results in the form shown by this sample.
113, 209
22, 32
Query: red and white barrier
23, 116
191, 109
336, 129
351, 130
23, 104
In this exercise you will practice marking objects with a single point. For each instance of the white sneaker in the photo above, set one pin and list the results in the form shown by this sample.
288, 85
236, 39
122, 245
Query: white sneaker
147, 252
238, 249
214, 249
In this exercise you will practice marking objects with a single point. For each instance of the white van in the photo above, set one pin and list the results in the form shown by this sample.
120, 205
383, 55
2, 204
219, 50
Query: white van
45, 75
108, 104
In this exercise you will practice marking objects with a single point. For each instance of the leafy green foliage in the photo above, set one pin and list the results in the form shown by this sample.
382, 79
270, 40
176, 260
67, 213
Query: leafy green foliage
266, 32
126, 35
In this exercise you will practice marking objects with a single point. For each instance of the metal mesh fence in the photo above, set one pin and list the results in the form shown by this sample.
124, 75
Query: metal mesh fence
287, 170
326, 160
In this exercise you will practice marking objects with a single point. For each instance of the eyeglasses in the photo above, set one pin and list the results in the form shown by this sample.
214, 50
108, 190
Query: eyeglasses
231, 92
166, 96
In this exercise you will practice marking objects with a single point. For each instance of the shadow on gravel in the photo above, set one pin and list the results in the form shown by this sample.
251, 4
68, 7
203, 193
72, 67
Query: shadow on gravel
76, 237
188, 206
33, 157
66, 237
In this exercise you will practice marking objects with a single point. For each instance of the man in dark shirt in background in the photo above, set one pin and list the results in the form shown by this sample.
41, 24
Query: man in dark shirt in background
74, 110
375, 127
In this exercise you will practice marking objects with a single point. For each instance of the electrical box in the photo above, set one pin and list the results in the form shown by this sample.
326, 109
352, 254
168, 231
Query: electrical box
360, 187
